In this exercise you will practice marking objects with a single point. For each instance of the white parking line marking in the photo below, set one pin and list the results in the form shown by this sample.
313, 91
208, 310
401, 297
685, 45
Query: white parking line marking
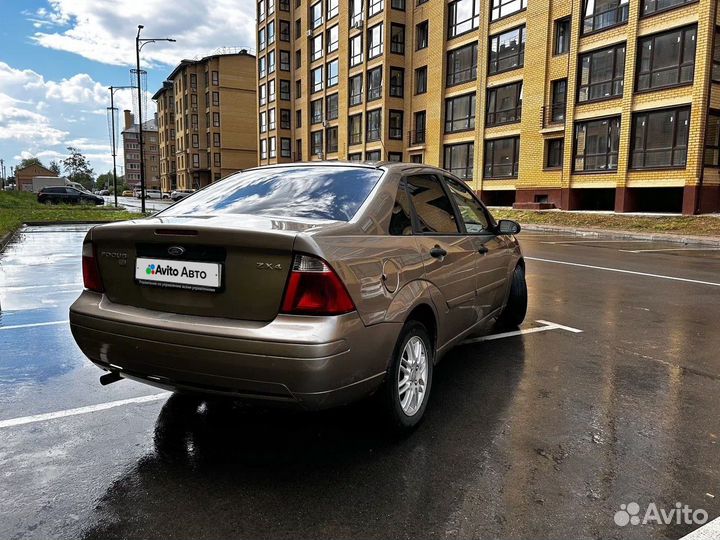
667, 249
12, 422
32, 325
709, 531
547, 325
621, 271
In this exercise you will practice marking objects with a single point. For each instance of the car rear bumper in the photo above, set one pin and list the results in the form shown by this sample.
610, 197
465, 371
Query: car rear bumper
315, 362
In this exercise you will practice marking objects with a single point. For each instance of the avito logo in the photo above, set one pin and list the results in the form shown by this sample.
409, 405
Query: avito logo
167, 270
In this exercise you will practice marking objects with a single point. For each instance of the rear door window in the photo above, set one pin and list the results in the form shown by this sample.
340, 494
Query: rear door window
401, 219
472, 213
433, 209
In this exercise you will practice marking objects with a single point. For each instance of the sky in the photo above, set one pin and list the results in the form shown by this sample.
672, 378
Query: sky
58, 58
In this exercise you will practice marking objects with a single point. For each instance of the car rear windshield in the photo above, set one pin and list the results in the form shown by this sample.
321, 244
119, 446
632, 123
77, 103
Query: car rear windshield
305, 192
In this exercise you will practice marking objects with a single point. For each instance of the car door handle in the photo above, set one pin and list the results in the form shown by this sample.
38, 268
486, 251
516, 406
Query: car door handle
438, 252
482, 250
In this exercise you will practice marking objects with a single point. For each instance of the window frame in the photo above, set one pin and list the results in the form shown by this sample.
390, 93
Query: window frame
565, 40
682, 31
676, 111
515, 166
452, 24
378, 130
469, 168
517, 108
522, 29
499, 4
547, 165
395, 133
616, 78
622, 6
453, 78
608, 154
467, 123
393, 88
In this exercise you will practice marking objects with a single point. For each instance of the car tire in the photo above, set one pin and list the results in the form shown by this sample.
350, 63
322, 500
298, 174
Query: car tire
401, 411
513, 314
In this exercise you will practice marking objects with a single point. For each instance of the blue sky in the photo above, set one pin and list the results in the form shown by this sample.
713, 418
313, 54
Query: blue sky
59, 56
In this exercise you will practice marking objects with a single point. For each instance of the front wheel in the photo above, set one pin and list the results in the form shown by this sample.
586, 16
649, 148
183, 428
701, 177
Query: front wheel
514, 312
409, 378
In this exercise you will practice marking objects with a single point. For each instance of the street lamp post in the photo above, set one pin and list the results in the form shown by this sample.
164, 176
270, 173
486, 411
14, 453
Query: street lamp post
114, 144
139, 44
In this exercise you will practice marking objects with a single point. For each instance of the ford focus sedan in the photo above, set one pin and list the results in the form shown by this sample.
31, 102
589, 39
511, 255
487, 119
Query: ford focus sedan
308, 284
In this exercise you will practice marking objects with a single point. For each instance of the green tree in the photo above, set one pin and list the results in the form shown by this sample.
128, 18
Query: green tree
77, 168
55, 167
29, 161
105, 181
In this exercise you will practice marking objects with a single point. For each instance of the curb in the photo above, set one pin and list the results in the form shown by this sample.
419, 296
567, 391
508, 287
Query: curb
630, 235
5, 240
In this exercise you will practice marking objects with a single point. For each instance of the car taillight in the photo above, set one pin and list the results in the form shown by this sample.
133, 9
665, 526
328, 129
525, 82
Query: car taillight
91, 272
313, 288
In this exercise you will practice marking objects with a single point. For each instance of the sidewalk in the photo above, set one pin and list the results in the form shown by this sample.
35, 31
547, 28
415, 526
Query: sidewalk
711, 241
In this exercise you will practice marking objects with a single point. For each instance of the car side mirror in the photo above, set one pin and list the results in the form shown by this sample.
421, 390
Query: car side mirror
508, 226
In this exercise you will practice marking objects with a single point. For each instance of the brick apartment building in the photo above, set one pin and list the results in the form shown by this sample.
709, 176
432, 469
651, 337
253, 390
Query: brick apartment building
207, 120
580, 104
131, 151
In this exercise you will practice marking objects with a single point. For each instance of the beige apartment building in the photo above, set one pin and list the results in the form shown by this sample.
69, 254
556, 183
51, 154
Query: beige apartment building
207, 120
574, 104
131, 152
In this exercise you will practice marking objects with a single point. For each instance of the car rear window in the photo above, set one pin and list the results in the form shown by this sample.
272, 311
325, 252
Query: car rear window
309, 192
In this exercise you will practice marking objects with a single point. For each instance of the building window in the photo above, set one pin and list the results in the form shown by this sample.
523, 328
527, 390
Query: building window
559, 101
356, 12
460, 113
284, 60
458, 159
375, 7
316, 111
398, 4
463, 17
562, 36
298, 150
397, 82
272, 152
356, 50
554, 149
195, 140
355, 93
355, 129
660, 138
666, 59
316, 15
601, 74
316, 143
421, 80
316, 49
373, 125
298, 89
216, 99
284, 5
395, 125
507, 51
298, 118
261, 11
596, 145
395, 157
215, 78
216, 119
332, 73
372, 155
504, 104
297, 28
712, 140
462, 65
716, 56
331, 140
261, 40
271, 62
600, 14
397, 38
503, 8
196, 161
332, 8
331, 107
332, 39
285, 118
285, 90
216, 155
355, 157
374, 83
270, 32
216, 139
271, 119
421, 36
298, 58
375, 41
501, 157
285, 147
284, 31
271, 91
270, 7
418, 132
316, 76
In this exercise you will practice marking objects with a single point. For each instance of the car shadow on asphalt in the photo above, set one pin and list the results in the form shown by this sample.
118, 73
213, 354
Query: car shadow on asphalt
222, 468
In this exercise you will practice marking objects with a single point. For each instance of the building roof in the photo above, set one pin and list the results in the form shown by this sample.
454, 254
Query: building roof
37, 167
184, 63
150, 125
167, 85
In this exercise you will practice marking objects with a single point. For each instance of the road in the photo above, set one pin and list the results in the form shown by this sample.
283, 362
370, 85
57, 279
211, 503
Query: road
133, 204
611, 398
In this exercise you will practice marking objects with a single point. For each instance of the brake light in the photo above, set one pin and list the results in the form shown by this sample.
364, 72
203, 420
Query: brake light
91, 272
313, 288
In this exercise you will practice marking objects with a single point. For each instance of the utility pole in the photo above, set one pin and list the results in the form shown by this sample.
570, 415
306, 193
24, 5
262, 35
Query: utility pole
2, 174
114, 144
139, 44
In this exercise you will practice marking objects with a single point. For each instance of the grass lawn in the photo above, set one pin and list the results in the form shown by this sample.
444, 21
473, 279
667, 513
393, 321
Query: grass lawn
684, 225
18, 207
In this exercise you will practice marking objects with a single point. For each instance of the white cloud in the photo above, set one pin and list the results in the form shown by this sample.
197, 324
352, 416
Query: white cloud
104, 31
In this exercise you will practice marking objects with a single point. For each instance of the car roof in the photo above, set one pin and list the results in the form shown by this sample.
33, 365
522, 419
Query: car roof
391, 166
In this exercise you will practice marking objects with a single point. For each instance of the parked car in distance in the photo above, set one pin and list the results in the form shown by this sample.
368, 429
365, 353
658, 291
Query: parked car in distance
156, 194
179, 194
67, 195
309, 284
126, 193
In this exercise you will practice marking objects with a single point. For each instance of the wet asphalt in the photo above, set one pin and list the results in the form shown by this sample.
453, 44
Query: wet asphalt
542, 435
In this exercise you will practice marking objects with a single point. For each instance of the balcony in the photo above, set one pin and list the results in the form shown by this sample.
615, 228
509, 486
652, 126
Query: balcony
416, 137
553, 116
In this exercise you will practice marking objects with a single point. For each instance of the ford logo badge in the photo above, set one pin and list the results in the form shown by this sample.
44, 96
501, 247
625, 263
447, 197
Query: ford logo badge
176, 251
